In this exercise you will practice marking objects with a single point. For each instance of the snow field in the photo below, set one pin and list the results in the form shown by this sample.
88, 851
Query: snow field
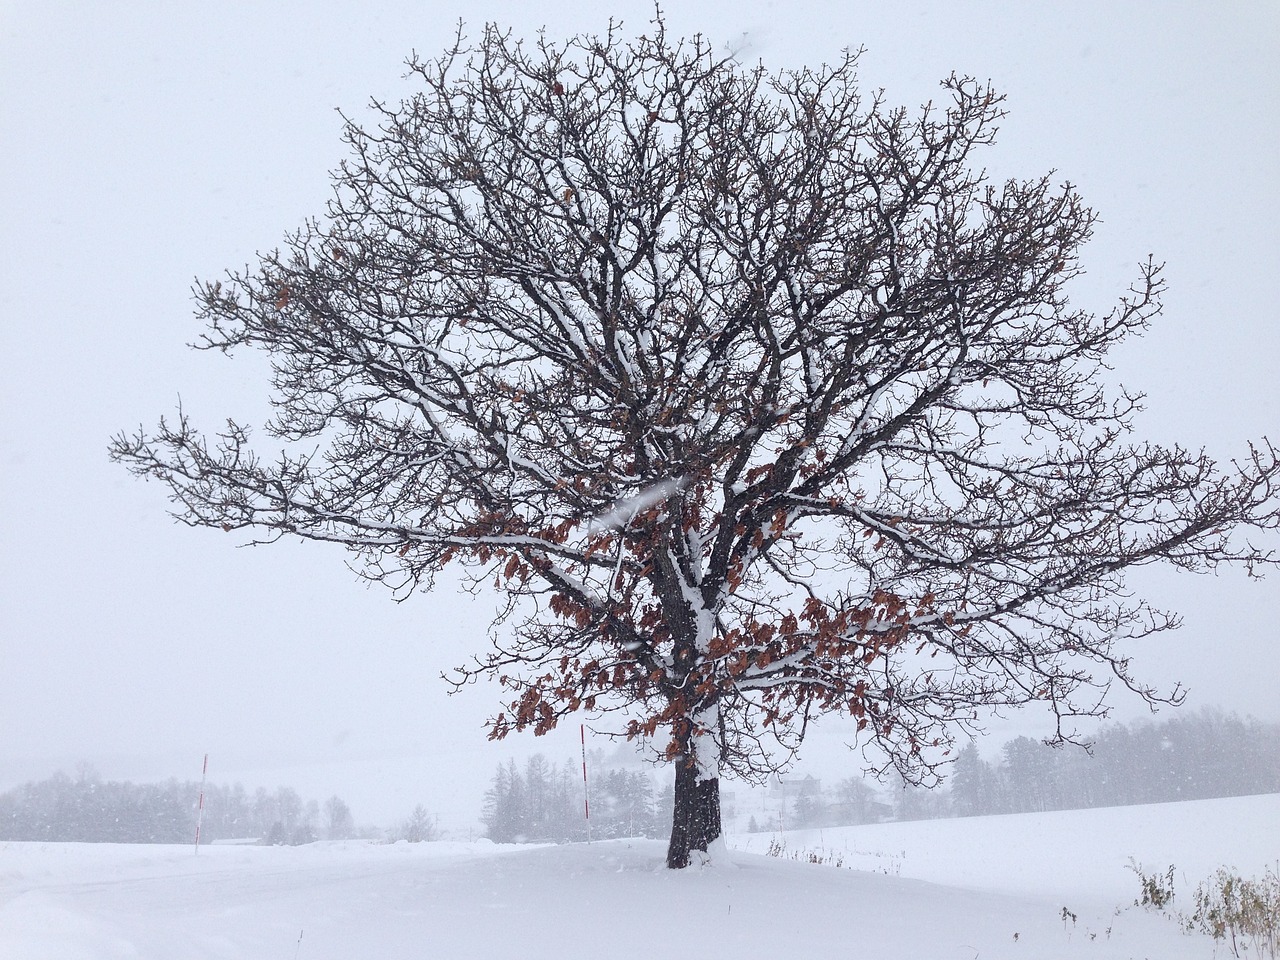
931, 889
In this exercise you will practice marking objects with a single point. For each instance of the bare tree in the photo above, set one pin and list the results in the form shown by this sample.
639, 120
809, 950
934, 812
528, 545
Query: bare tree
752, 393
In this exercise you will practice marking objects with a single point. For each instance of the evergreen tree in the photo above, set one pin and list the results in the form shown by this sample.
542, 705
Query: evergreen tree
419, 827
339, 824
505, 814
971, 783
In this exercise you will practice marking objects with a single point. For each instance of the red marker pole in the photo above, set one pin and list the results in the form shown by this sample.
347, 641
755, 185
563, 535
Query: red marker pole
586, 795
200, 809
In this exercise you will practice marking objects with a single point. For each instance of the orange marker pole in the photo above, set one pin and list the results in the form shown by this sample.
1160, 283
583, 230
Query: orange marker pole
586, 801
204, 774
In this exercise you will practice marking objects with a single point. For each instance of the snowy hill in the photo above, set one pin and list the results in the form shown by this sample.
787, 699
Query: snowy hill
984, 887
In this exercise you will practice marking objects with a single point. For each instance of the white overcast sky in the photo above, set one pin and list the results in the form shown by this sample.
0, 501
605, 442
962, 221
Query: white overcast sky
143, 145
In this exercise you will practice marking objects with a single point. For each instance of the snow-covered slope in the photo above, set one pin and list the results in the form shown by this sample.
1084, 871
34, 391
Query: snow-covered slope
988, 887
1056, 853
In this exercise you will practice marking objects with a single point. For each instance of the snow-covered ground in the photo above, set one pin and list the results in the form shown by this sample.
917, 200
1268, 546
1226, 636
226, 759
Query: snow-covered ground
987, 887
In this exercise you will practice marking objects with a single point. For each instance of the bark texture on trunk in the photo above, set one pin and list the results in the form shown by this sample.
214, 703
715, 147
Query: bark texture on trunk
696, 822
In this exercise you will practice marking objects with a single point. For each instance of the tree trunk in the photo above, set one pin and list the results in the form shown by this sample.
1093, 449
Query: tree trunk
696, 822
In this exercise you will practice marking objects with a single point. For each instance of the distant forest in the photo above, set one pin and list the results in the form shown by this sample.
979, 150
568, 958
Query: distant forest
1189, 757
1193, 756
87, 808
544, 804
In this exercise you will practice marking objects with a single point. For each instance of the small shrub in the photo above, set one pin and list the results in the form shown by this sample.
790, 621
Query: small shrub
1157, 888
778, 848
1244, 912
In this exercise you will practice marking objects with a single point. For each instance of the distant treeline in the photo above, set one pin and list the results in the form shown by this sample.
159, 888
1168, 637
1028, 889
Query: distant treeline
1192, 756
544, 803
88, 809
1189, 757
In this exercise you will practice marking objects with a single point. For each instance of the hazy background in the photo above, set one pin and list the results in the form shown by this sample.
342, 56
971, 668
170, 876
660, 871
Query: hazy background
143, 145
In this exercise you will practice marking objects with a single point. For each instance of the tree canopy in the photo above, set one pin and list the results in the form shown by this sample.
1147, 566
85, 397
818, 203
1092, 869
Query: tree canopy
752, 393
